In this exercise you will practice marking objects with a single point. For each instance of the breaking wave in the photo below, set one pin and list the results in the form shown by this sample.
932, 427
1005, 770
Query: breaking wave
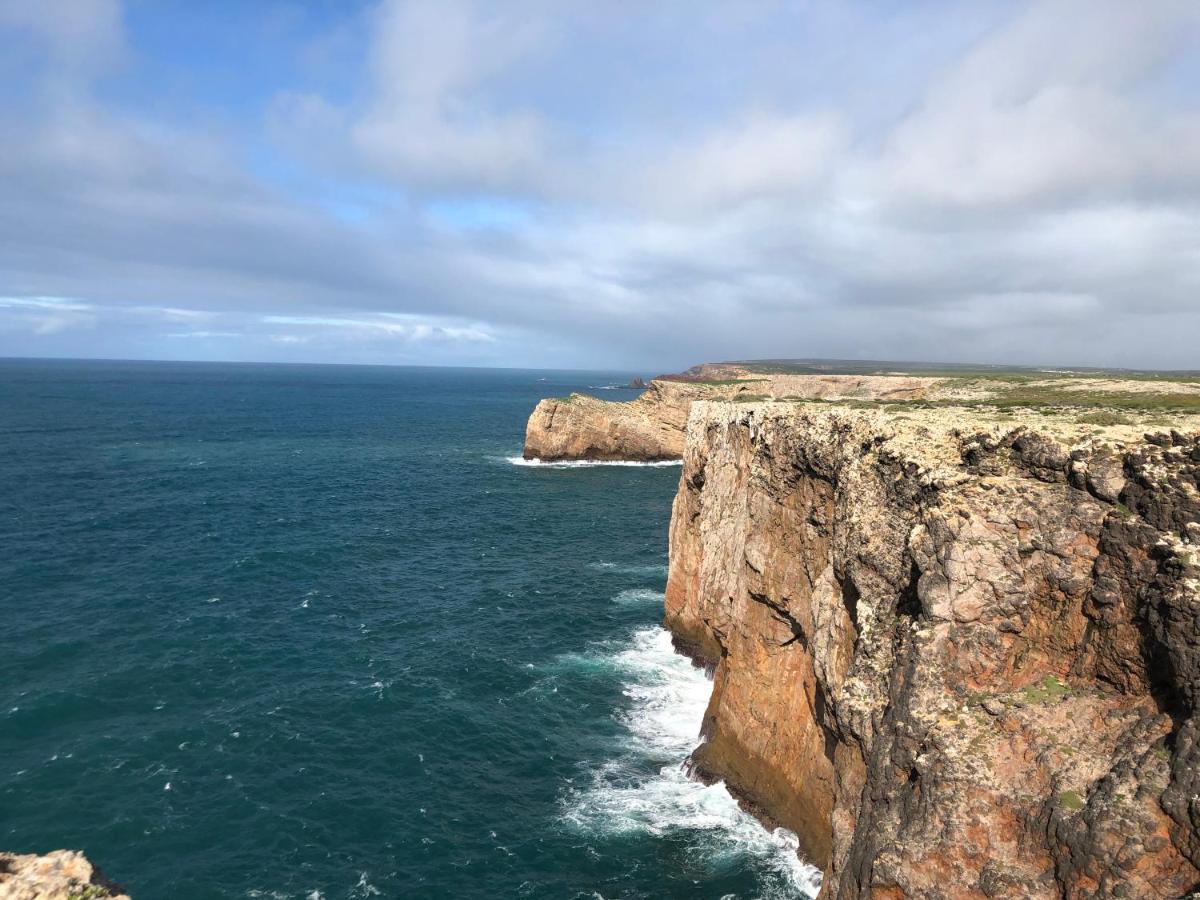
588, 463
667, 698
613, 568
639, 597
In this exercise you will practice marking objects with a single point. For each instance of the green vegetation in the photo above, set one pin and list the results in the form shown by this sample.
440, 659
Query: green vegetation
1070, 800
1047, 396
1049, 688
965, 371
1033, 391
89, 892
1103, 417
719, 382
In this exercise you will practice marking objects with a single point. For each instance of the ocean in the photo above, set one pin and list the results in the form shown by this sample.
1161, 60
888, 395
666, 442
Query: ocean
317, 632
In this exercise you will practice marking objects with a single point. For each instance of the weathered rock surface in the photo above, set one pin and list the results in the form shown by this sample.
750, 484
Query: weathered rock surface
651, 427
60, 875
959, 658
581, 427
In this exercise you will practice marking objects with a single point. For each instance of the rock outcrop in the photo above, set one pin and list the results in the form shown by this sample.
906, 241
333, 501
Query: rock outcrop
651, 427
958, 658
581, 427
60, 875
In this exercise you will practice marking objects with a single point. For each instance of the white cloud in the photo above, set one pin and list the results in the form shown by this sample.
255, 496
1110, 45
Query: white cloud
429, 117
676, 182
1049, 109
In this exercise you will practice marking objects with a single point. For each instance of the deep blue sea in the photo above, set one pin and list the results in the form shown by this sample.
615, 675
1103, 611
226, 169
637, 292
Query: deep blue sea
310, 632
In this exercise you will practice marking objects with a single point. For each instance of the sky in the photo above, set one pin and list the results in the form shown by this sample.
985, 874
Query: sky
632, 185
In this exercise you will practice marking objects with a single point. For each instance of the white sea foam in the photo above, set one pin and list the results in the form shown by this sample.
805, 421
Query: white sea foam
589, 463
639, 597
620, 569
667, 699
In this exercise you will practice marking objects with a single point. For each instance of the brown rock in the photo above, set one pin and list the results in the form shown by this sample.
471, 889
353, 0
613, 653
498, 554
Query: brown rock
60, 875
945, 653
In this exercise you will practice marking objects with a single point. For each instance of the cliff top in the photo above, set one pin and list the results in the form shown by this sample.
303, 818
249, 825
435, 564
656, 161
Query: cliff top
934, 436
1070, 407
1107, 397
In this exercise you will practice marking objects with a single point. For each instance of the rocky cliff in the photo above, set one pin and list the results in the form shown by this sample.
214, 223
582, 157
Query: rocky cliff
582, 427
957, 653
652, 426
61, 875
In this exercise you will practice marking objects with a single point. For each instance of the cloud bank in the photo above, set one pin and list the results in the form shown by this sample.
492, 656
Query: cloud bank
566, 184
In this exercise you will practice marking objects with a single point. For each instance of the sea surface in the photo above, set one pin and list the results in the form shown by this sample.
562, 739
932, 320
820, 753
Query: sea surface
314, 632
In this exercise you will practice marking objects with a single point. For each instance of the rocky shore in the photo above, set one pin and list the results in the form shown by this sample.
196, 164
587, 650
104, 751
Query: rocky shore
955, 649
60, 875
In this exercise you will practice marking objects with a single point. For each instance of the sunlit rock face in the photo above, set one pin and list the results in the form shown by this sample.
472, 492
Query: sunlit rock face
652, 426
60, 875
581, 427
959, 657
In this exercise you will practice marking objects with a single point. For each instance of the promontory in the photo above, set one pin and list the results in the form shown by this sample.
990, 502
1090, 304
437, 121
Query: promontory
953, 618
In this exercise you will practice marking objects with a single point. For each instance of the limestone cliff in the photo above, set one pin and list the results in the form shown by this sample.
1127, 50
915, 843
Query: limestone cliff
651, 427
958, 654
581, 427
61, 875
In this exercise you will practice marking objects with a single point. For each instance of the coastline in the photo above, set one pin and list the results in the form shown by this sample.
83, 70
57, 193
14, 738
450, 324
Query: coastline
815, 548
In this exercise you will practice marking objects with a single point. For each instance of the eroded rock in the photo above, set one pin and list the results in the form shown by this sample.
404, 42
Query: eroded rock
60, 875
958, 658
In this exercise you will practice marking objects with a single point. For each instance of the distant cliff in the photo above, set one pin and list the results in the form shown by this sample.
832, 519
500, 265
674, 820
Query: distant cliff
582, 427
651, 427
959, 656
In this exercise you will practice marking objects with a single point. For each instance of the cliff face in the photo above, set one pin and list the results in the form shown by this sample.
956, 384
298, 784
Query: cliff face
61, 875
958, 658
581, 427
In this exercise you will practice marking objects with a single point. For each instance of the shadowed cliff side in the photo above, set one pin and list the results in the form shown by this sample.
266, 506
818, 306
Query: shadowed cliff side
959, 657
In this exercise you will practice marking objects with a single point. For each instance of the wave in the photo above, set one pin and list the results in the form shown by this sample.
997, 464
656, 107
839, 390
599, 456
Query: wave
621, 569
638, 597
588, 463
668, 696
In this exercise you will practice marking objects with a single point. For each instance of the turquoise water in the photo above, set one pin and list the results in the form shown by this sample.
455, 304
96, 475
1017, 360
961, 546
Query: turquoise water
292, 631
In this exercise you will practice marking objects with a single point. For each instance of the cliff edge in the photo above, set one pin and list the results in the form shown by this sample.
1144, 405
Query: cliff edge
651, 427
957, 652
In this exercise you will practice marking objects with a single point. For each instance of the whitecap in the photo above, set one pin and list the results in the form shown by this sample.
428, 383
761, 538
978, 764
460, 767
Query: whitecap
589, 463
639, 597
622, 569
667, 699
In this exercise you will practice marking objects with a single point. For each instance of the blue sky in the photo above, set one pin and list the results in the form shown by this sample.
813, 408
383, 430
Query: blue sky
639, 185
